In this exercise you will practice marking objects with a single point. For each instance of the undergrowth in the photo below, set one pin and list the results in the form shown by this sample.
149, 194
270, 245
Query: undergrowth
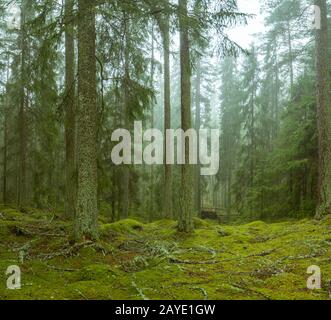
133, 260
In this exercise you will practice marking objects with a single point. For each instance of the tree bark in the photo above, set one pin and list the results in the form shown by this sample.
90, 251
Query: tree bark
70, 112
125, 198
87, 204
5, 136
168, 204
187, 183
22, 115
197, 127
323, 114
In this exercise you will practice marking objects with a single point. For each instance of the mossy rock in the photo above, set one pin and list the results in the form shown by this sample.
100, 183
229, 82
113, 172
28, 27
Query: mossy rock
201, 224
165, 223
127, 226
223, 233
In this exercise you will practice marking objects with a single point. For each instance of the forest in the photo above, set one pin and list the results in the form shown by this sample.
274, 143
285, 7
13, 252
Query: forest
148, 155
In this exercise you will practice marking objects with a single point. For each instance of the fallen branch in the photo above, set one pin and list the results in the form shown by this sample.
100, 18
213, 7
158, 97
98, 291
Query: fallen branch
204, 292
61, 269
261, 254
139, 291
66, 252
244, 288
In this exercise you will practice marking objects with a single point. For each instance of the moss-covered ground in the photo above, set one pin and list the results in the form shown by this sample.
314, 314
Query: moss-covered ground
133, 260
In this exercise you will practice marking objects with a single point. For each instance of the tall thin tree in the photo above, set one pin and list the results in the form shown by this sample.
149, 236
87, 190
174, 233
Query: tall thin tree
187, 185
22, 115
164, 23
70, 115
87, 204
323, 113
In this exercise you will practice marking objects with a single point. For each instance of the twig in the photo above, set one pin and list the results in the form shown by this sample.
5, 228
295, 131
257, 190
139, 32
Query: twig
81, 294
140, 292
261, 254
61, 269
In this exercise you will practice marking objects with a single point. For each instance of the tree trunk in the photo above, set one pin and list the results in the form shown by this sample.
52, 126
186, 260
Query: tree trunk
70, 116
22, 115
187, 183
125, 199
5, 135
87, 204
165, 31
323, 114
152, 193
197, 127
5, 139
290, 54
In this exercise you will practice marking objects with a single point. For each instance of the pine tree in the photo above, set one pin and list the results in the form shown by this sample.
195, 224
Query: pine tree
87, 202
70, 112
323, 113
187, 203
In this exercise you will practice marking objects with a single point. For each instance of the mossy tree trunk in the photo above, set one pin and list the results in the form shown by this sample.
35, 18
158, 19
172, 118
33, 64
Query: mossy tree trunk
70, 116
323, 114
87, 204
187, 181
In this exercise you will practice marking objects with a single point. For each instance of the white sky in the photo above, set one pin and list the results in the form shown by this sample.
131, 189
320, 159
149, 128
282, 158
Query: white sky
244, 36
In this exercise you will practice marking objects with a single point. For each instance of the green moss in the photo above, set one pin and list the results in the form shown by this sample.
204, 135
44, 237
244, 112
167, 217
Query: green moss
134, 260
96, 272
201, 224
125, 226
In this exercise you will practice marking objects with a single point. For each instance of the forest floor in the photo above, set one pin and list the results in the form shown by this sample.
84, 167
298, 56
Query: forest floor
152, 261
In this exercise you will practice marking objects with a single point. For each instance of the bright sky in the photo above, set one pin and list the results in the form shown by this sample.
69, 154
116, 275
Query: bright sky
244, 36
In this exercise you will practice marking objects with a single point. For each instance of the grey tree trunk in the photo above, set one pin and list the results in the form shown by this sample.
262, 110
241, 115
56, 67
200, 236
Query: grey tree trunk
152, 194
167, 202
22, 115
70, 112
5, 139
290, 54
187, 181
87, 204
125, 198
5, 136
323, 114
197, 127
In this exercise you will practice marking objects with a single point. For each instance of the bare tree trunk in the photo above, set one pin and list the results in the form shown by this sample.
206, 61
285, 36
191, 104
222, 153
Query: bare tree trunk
152, 193
323, 114
22, 115
125, 199
197, 127
5, 139
187, 181
5, 136
70, 112
87, 204
165, 29
290, 54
